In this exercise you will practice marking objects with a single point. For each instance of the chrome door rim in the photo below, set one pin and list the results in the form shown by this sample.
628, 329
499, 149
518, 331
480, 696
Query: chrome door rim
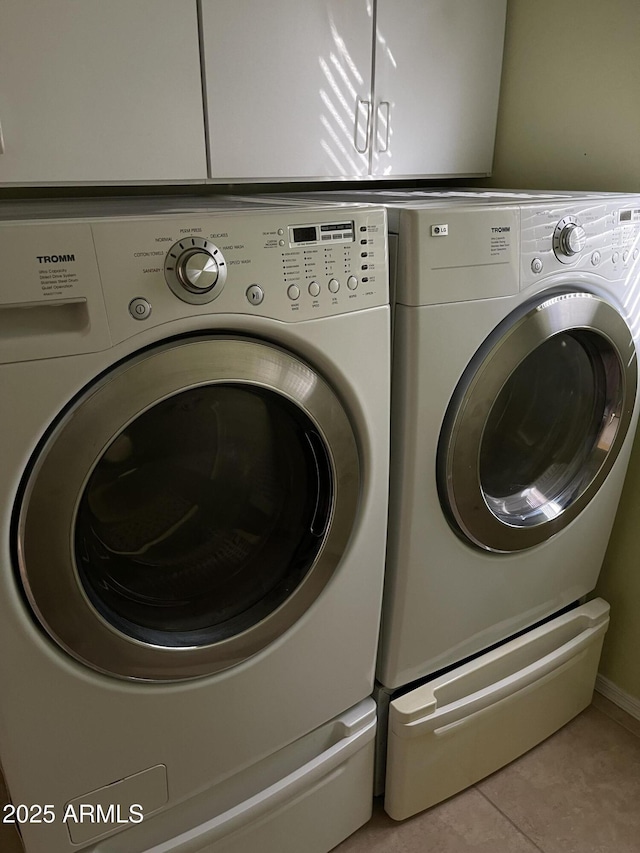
50, 499
459, 481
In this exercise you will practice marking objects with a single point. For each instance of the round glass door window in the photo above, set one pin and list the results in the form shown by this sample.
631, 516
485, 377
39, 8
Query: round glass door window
537, 421
188, 508
203, 515
542, 430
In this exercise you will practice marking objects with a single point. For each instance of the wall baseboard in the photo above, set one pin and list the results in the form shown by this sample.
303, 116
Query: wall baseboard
623, 700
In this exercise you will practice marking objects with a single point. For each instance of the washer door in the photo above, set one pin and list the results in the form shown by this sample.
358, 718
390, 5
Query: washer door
537, 421
188, 508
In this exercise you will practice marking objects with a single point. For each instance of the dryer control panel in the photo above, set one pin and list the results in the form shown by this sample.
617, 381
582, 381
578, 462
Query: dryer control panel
600, 235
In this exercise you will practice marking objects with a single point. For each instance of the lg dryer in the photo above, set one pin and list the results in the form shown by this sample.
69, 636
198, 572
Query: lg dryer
514, 391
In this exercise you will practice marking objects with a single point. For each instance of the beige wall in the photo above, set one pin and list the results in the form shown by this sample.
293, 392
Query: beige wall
569, 118
569, 114
619, 584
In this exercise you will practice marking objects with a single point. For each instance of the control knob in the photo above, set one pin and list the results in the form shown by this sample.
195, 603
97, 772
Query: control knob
569, 239
195, 270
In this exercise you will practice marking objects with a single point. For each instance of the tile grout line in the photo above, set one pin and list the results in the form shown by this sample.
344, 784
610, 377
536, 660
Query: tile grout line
507, 818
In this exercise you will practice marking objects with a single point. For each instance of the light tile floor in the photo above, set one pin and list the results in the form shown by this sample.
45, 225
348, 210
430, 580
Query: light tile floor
577, 792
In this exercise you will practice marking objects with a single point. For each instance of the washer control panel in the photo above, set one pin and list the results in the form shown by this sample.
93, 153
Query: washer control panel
92, 274
287, 264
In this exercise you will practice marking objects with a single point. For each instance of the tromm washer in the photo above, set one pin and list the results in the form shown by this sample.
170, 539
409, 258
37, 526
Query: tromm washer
194, 499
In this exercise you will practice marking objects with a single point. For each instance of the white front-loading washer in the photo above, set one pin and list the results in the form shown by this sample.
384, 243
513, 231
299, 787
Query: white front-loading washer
194, 500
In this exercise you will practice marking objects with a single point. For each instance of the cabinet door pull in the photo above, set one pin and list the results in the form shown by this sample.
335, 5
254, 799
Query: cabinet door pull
1, 140
382, 127
359, 103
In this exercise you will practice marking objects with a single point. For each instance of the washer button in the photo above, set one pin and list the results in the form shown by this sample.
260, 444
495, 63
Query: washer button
139, 308
280, 242
280, 231
255, 294
625, 257
334, 285
536, 265
293, 292
595, 259
314, 288
636, 252
352, 282
615, 257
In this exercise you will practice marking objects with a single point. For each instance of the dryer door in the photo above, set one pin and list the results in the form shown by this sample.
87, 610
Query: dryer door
188, 508
537, 421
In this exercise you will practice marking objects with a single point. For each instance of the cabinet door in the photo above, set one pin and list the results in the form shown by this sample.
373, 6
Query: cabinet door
288, 88
437, 73
98, 91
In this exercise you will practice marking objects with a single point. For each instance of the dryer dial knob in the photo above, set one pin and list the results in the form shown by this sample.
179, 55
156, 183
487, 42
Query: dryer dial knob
573, 239
569, 239
195, 270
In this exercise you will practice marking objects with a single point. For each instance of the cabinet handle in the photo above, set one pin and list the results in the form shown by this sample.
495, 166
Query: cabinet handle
384, 110
1, 140
367, 104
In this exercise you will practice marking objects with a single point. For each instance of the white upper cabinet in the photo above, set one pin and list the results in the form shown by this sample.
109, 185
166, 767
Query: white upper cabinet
437, 81
351, 88
288, 88
111, 91
100, 91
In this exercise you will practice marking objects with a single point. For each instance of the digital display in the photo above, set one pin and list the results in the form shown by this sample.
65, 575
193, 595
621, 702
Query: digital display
338, 226
304, 235
625, 216
322, 233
